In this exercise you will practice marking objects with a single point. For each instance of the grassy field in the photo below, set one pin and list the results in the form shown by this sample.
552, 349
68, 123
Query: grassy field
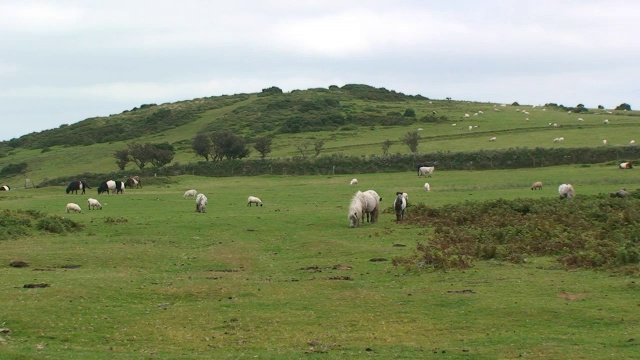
150, 278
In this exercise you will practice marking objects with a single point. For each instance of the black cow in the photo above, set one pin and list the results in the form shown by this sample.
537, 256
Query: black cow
5, 188
113, 185
76, 185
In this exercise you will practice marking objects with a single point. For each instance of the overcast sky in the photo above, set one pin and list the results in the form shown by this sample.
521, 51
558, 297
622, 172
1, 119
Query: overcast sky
64, 61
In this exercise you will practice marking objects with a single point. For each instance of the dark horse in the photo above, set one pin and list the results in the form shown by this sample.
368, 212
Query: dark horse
76, 185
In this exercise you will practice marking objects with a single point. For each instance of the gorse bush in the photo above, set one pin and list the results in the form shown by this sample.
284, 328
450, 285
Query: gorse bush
587, 232
19, 223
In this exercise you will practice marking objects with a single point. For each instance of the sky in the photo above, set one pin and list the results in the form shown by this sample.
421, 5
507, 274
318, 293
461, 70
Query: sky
65, 61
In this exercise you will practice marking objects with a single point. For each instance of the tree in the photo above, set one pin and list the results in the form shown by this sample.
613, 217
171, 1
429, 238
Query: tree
202, 145
302, 147
162, 154
600, 107
140, 154
409, 113
411, 139
228, 145
263, 146
122, 158
385, 146
318, 146
624, 106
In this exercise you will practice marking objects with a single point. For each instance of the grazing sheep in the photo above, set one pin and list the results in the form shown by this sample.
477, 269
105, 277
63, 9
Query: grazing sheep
466, 115
626, 165
480, 112
427, 187
5, 188
426, 170
201, 203
73, 207
536, 185
558, 139
253, 200
606, 121
493, 138
470, 127
622, 193
353, 182
190, 193
632, 142
566, 191
94, 204
604, 142
580, 119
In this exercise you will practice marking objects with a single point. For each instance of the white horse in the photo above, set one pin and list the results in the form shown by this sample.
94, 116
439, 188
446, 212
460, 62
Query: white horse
566, 191
201, 203
356, 208
372, 200
399, 205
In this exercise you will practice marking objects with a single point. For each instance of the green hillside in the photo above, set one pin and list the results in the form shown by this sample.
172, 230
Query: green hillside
352, 120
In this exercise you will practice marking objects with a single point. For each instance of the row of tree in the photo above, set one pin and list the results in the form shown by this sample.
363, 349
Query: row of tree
158, 155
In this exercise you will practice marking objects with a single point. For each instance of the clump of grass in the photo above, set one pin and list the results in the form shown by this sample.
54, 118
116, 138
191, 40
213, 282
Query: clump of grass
586, 232
20, 223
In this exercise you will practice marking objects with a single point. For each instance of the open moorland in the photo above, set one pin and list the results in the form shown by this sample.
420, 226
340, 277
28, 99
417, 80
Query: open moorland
149, 277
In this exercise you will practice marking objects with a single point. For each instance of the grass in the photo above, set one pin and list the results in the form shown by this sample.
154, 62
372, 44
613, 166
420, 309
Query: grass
291, 280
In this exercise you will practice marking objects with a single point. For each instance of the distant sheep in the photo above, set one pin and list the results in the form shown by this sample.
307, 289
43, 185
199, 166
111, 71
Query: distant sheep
201, 203
537, 185
632, 142
580, 119
353, 182
73, 207
466, 115
190, 193
94, 204
493, 138
605, 121
558, 139
604, 142
566, 191
626, 165
427, 187
253, 200
426, 170
399, 206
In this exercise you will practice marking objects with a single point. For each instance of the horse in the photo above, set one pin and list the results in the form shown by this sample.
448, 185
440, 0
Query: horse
372, 200
133, 181
76, 185
356, 208
399, 205
113, 185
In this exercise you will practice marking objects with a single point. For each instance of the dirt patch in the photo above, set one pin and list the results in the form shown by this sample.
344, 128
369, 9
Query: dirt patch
378, 259
462, 292
18, 264
571, 297
346, 277
33, 286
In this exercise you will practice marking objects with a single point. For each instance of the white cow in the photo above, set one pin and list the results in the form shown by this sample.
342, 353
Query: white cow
426, 170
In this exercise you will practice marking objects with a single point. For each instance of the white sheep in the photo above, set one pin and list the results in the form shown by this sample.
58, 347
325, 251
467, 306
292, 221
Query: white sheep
558, 139
426, 170
480, 112
73, 207
580, 119
190, 193
537, 185
566, 191
253, 200
604, 142
427, 187
632, 142
353, 182
201, 203
470, 127
606, 121
467, 115
493, 138
94, 204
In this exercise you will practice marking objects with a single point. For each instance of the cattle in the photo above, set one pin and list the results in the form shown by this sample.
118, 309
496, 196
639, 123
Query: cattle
5, 188
133, 181
626, 165
426, 170
76, 185
111, 185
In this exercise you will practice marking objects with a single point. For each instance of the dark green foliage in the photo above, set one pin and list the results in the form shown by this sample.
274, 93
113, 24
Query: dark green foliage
19, 223
318, 146
411, 139
122, 158
591, 232
227, 145
409, 113
147, 119
13, 169
386, 145
263, 146
515, 103
202, 145
624, 106
600, 107
157, 154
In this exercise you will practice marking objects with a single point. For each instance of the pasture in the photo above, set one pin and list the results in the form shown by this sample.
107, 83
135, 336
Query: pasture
148, 277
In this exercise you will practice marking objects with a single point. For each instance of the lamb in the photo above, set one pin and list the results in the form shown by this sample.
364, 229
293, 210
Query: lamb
536, 185
606, 121
493, 138
94, 204
353, 182
73, 207
427, 187
190, 193
253, 200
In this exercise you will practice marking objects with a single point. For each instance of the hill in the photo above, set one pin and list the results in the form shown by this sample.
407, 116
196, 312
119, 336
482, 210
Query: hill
351, 120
